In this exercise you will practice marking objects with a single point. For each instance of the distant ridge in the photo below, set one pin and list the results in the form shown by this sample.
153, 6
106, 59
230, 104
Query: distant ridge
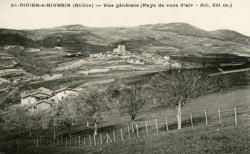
160, 38
71, 27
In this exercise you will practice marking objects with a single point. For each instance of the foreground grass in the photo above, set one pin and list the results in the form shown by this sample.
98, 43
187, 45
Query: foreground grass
205, 140
200, 140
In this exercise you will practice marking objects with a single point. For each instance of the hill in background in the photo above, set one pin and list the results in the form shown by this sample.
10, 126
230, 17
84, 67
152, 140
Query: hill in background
173, 38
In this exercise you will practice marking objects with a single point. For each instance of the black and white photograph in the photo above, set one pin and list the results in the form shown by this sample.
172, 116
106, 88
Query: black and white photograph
124, 77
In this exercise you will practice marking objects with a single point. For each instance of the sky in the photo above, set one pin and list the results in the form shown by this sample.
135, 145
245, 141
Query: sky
235, 18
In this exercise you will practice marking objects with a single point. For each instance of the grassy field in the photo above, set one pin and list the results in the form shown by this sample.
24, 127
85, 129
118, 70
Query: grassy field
237, 97
201, 140
226, 138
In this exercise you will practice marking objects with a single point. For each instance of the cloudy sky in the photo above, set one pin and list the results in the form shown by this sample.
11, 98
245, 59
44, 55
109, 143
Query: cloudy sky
235, 18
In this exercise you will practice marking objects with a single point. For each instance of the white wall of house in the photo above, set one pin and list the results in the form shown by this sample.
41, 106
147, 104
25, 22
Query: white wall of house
28, 100
39, 107
59, 96
42, 106
166, 57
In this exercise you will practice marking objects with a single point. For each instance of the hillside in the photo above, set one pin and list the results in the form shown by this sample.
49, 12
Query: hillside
180, 41
69, 40
194, 141
231, 36
14, 37
171, 38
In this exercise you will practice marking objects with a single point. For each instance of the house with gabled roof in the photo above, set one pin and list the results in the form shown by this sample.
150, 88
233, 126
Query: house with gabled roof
42, 98
33, 96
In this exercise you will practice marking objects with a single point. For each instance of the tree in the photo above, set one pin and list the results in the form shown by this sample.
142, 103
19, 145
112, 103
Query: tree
16, 118
177, 87
113, 91
131, 101
61, 114
157, 90
92, 103
224, 82
49, 119
35, 121
88, 106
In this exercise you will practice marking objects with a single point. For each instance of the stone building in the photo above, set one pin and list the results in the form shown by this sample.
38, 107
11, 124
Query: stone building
63, 93
33, 96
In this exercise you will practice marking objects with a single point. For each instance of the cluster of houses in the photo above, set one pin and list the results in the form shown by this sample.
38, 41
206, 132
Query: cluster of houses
43, 98
135, 58
9, 47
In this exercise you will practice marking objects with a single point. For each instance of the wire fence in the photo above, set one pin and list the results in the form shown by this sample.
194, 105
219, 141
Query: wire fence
138, 129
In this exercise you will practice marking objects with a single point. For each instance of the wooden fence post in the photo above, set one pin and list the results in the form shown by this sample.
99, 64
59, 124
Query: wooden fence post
166, 121
235, 116
94, 139
90, 142
37, 142
84, 141
66, 142
34, 141
219, 112
61, 140
101, 138
205, 112
17, 144
128, 133
156, 125
191, 120
146, 126
132, 127
121, 134
79, 141
137, 131
108, 138
114, 136
54, 133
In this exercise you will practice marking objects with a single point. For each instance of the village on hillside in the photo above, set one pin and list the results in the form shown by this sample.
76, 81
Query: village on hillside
120, 59
117, 60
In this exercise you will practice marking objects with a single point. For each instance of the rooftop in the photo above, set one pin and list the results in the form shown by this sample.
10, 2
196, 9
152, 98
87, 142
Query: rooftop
42, 90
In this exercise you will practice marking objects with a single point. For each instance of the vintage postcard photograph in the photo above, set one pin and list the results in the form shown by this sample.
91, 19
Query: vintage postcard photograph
124, 77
